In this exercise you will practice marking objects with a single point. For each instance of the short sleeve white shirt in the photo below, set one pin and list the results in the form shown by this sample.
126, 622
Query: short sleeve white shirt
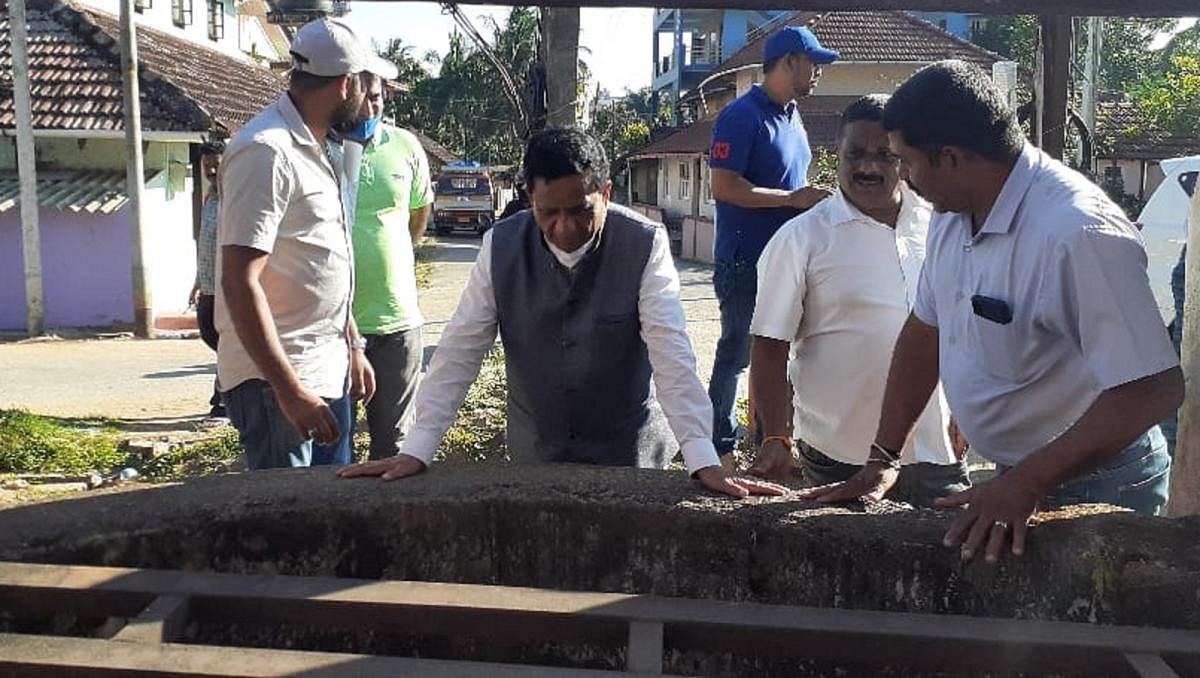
279, 194
1071, 269
839, 285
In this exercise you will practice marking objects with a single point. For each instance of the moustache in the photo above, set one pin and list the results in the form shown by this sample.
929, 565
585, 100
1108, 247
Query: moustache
867, 178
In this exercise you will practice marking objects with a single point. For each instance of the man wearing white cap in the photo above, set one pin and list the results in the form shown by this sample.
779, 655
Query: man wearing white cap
294, 358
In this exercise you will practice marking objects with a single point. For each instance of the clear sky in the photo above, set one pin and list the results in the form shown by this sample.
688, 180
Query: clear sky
615, 43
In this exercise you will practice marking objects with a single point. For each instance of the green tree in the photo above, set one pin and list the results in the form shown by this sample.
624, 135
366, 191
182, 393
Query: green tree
618, 128
624, 124
1014, 37
1170, 100
1127, 58
456, 99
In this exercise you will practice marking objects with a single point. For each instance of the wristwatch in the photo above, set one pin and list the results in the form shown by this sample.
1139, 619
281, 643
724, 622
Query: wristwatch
358, 344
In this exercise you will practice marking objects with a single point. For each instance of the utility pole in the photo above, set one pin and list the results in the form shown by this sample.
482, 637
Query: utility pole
31, 240
1185, 471
143, 306
1091, 82
560, 41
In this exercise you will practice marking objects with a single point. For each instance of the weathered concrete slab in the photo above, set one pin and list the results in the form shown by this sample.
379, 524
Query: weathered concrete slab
619, 530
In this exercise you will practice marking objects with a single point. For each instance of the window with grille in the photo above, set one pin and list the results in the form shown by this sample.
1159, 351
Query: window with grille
685, 180
181, 13
216, 20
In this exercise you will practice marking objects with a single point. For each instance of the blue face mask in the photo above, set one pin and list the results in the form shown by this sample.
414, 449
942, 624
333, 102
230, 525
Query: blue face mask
363, 131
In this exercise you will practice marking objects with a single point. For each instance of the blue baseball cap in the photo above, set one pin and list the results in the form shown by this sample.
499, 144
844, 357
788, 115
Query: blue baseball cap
797, 40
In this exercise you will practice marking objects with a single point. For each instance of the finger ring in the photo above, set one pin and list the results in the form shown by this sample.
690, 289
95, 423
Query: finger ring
1001, 524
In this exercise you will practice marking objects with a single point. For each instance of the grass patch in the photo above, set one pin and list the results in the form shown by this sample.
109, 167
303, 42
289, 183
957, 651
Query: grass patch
30, 443
221, 453
423, 256
478, 432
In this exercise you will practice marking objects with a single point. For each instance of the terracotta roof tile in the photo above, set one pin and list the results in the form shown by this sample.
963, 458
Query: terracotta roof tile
1123, 133
878, 36
75, 69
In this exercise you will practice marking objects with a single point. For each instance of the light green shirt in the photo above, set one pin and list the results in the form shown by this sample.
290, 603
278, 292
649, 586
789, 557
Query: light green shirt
393, 179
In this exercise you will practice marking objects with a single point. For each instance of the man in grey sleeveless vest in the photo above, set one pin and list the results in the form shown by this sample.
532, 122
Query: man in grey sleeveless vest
585, 297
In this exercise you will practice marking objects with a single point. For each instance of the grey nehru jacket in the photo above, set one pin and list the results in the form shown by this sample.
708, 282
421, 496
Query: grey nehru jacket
578, 373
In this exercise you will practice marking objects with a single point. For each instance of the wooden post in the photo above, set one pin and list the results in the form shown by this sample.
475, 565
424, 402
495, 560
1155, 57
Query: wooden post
1185, 475
1054, 73
560, 26
143, 306
35, 310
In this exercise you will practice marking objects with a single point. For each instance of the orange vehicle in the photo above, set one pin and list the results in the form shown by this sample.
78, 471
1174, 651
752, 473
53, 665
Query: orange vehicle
463, 198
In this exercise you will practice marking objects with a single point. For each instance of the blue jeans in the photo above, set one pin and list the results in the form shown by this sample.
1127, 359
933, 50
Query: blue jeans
269, 438
1138, 478
736, 284
1170, 425
918, 484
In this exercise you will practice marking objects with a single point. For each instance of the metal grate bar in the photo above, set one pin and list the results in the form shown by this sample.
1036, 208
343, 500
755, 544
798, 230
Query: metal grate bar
643, 624
162, 621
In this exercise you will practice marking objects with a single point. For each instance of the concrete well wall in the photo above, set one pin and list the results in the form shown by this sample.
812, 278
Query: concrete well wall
620, 530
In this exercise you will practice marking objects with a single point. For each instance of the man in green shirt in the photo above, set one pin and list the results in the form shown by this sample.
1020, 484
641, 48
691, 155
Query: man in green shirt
392, 200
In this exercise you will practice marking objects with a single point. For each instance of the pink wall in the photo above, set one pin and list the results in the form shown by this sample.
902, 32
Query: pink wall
85, 269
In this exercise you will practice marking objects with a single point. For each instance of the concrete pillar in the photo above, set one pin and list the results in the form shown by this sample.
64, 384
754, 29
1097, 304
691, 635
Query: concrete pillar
143, 306
27, 171
1185, 475
560, 35
677, 67
1091, 83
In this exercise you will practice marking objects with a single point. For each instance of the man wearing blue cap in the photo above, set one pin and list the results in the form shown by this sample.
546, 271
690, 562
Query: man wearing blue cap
759, 159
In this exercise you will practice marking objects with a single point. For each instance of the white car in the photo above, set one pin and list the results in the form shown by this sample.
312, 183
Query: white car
1164, 226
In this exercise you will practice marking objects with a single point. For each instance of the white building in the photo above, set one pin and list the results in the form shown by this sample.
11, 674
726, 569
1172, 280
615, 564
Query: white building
235, 27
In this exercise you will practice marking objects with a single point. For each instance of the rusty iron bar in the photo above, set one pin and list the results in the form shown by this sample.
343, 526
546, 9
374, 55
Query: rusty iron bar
506, 614
53, 657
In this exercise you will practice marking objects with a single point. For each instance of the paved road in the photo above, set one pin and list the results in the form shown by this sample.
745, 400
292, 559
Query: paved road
165, 383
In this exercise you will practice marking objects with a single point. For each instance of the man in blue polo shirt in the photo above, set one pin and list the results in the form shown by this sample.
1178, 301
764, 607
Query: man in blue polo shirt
759, 160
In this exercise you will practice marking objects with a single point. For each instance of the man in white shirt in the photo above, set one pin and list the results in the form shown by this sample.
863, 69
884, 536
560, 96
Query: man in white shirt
1035, 309
290, 357
835, 286
585, 297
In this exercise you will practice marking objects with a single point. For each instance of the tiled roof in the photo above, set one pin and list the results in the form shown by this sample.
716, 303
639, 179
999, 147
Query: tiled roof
878, 36
1122, 133
434, 150
75, 61
91, 191
820, 114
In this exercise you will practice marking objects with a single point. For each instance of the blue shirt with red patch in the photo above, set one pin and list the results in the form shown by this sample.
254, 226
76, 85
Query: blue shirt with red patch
765, 143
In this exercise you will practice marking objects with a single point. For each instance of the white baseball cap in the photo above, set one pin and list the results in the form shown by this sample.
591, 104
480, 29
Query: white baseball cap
329, 48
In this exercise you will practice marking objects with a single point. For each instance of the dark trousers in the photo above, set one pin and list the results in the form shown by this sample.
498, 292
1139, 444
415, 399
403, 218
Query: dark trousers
208, 334
396, 358
918, 484
735, 284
